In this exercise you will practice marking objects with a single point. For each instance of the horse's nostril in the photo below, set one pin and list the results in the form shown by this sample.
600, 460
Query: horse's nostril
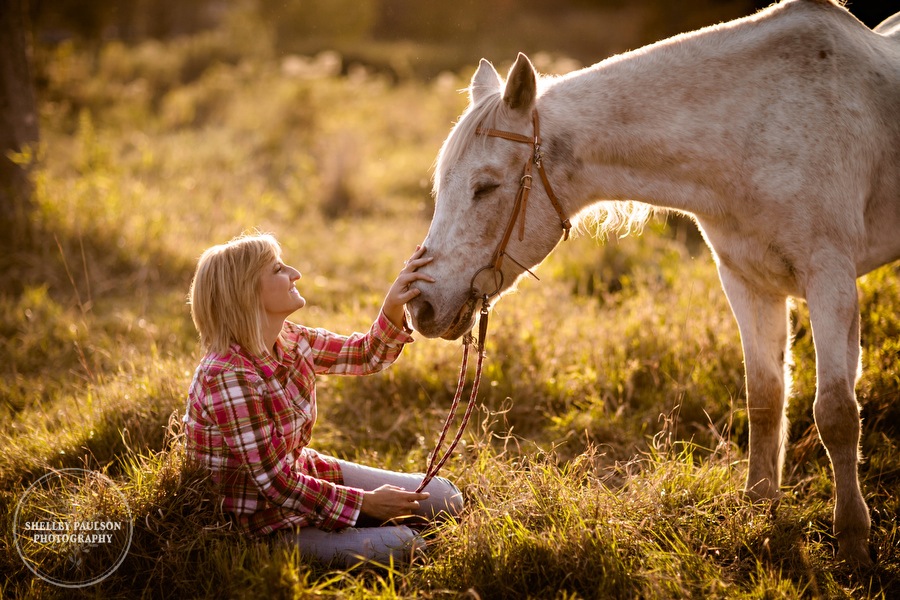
425, 314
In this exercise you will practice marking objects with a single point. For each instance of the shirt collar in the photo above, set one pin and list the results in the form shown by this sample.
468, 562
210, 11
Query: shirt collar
269, 363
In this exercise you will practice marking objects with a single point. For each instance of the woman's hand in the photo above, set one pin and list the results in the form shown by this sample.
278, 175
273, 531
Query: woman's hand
389, 502
401, 291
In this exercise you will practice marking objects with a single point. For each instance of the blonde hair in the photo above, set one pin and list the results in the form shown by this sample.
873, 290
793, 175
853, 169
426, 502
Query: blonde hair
224, 297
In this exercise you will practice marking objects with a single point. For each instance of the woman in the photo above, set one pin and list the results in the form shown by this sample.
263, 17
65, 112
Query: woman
252, 406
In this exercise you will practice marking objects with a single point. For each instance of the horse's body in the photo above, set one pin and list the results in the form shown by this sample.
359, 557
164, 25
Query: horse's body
779, 133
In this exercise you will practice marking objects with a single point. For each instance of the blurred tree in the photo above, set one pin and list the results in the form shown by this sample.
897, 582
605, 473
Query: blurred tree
322, 19
93, 20
460, 21
64, 18
18, 121
136, 19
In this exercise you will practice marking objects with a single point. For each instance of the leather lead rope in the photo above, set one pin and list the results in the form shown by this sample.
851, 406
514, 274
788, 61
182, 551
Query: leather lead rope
434, 465
520, 206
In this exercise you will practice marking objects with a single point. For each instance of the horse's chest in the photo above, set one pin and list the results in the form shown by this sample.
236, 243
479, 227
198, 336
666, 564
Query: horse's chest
759, 257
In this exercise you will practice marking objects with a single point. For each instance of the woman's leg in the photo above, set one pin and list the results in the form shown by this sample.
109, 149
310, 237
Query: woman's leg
445, 500
396, 545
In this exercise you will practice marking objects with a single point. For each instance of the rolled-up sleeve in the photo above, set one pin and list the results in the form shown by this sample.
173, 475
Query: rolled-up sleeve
358, 354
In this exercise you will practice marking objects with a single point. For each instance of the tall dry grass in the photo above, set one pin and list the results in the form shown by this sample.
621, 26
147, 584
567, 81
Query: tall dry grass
611, 435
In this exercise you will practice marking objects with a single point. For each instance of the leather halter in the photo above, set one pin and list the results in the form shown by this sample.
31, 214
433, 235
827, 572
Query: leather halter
521, 203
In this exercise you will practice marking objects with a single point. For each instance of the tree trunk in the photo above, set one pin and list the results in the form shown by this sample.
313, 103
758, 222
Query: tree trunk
18, 120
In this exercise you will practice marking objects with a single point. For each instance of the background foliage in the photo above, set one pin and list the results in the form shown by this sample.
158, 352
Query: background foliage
610, 443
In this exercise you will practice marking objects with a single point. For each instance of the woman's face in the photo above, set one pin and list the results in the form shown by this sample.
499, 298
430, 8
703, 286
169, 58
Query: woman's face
277, 291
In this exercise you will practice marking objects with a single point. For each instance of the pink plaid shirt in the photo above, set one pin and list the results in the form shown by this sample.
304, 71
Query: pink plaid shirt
249, 420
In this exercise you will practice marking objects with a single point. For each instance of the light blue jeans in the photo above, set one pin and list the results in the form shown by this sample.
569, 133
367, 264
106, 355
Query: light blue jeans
386, 544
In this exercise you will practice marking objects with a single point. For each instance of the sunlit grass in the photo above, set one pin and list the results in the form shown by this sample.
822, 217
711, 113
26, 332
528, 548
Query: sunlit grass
605, 458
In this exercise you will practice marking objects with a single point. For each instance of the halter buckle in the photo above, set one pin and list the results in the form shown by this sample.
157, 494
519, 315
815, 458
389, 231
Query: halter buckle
523, 184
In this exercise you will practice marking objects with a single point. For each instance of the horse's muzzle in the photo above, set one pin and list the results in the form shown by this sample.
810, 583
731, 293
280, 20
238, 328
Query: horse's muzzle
429, 323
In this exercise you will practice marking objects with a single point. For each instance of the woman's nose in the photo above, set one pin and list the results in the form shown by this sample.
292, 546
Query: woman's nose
295, 274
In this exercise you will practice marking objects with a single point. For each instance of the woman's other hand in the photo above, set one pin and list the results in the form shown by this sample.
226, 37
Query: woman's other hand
390, 502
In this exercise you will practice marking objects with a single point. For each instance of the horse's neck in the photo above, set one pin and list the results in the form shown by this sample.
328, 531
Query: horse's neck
665, 125
653, 134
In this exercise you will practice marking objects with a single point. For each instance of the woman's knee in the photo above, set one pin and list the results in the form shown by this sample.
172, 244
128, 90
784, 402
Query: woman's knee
445, 497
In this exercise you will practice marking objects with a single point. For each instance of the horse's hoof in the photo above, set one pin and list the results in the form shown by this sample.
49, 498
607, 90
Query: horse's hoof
762, 494
855, 554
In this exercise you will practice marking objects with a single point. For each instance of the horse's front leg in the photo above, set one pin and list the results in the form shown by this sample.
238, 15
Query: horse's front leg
763, 323
834, 316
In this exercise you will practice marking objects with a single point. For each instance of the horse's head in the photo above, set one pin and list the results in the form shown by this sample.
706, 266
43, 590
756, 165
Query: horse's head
476, 182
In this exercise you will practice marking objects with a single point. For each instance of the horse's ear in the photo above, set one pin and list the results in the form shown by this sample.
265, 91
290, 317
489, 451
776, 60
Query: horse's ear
485, 82
521, 85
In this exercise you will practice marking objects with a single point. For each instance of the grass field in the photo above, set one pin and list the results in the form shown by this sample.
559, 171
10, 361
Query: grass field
606, 457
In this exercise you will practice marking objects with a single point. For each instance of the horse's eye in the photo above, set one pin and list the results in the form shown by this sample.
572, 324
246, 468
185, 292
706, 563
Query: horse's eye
485, 189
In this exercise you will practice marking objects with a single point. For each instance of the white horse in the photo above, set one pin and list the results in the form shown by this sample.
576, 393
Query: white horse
779, 133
